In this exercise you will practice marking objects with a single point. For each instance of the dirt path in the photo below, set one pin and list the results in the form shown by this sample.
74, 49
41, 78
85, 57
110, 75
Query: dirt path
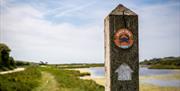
48, 83
11, 71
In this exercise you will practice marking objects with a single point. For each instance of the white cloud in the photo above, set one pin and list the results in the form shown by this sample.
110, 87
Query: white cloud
70, 10
2, 2
33, 37
38, 39
159, 31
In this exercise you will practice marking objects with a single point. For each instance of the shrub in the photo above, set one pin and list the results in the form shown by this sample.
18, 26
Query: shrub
20, 81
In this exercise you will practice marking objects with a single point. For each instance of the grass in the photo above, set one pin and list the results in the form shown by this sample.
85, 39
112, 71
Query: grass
54, 79
3, 68
79, 65
162, 77
48, 83
149, 87
69, 80
159, 66
162, 63
20, 81
85, 74
47, 79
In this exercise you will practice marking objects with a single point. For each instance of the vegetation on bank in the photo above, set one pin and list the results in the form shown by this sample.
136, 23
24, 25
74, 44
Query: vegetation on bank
31, 78
149, 87
85, 74
6, 61
159, 66
83, 65
163, 63
69, 80
20, 81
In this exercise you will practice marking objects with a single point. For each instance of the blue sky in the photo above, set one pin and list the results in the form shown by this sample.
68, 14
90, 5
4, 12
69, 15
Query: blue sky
72, 31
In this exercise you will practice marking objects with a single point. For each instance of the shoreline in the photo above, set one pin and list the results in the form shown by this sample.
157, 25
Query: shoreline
12, 71
98, 79
101, 79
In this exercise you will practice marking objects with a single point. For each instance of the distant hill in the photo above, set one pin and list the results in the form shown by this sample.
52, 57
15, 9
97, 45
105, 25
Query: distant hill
163, 63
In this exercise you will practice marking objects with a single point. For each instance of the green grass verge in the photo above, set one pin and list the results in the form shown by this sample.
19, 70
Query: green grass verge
69, 80
149, 87
3, 68
78, 65
20, 81
159, 66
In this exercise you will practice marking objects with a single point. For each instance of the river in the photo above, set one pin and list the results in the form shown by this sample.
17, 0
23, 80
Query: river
99, 72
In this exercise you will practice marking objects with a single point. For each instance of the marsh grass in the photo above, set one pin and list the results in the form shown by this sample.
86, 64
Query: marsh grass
20, 81
69, 80
48, 83
162, 77
149, 87
161, 66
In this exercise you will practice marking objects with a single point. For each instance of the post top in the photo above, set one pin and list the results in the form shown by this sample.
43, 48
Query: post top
120, 9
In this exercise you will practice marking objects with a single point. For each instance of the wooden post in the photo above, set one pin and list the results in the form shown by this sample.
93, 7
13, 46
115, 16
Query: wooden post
121, 50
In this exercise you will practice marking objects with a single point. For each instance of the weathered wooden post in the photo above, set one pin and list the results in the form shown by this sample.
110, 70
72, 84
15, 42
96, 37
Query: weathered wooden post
121, 50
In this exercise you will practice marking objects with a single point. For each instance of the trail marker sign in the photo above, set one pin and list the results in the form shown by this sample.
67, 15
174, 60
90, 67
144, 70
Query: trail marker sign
124, 72
121, 50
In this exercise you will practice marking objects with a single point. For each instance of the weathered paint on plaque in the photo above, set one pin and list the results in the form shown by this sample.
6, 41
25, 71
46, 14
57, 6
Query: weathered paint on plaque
124, 72
123, 38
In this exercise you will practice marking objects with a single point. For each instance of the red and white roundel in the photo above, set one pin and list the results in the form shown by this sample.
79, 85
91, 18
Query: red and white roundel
123, 38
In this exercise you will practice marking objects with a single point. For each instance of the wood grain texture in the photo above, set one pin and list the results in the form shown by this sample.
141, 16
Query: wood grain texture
116, 56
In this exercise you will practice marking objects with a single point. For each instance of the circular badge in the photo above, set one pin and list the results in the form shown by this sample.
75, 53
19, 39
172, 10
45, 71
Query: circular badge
123, 38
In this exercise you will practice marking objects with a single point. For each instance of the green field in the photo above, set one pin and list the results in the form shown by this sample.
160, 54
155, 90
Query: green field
44, 78
69, 80
20, 81
159, 66
149, 87
50, 78
83, 65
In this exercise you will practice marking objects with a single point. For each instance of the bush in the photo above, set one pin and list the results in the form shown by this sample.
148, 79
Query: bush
6, 62
69, 80
20, 81
84, 74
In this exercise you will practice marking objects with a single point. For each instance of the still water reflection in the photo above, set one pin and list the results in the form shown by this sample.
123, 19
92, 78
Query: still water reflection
99, 72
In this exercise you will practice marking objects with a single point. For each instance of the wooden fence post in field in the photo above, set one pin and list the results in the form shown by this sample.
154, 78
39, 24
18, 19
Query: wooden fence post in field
121, 50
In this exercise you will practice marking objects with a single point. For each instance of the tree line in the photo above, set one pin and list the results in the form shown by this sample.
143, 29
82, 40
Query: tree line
163, 63
6, 61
